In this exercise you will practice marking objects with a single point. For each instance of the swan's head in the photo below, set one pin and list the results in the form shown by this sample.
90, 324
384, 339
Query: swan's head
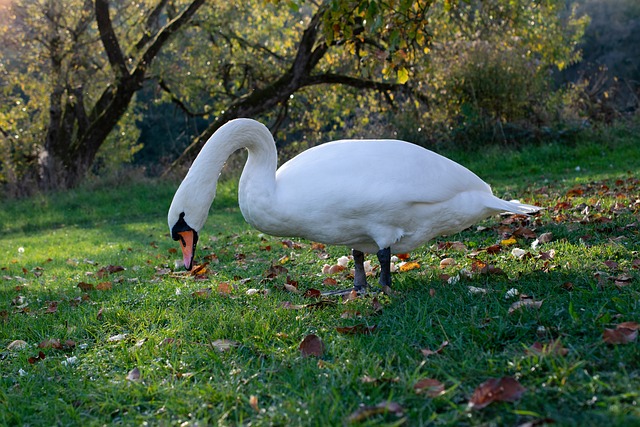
188, 238
187, 215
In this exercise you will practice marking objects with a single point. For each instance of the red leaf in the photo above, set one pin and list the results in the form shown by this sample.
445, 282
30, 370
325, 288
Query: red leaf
35, 359
312, 345
312, 293
505, 389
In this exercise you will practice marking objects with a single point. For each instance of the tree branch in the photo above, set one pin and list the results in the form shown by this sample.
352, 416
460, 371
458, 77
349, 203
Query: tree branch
109, 39
163, 35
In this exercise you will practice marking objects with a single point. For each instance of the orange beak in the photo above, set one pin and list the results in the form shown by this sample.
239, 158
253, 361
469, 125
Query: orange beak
188, 246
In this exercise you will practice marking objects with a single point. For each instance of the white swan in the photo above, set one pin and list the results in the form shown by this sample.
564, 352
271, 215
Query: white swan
374, 196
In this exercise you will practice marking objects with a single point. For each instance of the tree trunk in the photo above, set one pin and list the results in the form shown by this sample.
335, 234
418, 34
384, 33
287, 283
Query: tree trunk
74, 135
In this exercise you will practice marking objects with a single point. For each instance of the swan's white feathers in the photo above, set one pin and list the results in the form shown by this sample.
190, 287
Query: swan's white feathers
364, 194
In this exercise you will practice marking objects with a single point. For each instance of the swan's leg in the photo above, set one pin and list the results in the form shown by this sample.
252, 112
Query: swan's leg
384, 256
359, 276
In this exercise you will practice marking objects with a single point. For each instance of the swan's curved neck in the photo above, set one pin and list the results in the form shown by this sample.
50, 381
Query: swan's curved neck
196, 193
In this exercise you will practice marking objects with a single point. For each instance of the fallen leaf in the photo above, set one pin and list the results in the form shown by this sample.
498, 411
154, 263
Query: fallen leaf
430, 387
253, 402
312, 293
426, 352
224, 288
505, 389
329, 281
510, 241
553, 348
223, 345
359, 329
117, 338
86, 286
104, 286
407, 266
202, 293
364, 412
524, 303
38, 358
50, 343
311, 345
52, 307
624, 333
16, 345
274, 271
133, 375
447, 262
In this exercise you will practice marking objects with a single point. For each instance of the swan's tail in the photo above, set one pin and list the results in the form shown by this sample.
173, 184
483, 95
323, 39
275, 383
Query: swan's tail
515, 207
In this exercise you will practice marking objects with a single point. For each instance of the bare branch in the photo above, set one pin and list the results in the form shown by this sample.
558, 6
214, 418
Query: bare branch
109, 39
163, 35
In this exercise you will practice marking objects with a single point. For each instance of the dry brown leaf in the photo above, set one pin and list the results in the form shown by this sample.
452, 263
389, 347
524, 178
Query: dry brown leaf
253, 402
202, 293
505, 389
430, 387
365, 412
553, 348
133, 375
311, 345
51, 343
16, 345
525, 303
225, 288
52, 307
329, 281
447, 262
86, 286
621, 334
104, 286
426, 352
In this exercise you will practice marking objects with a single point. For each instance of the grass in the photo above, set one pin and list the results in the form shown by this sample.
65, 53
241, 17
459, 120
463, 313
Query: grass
166, 325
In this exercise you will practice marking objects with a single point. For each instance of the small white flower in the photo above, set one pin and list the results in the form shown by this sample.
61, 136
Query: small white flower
22, 372
20, 250
178, 291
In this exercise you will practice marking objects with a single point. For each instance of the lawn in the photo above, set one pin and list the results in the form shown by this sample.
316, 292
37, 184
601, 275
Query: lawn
98, 326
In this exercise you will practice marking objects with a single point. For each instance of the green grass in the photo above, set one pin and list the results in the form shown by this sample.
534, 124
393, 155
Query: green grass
67, 238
